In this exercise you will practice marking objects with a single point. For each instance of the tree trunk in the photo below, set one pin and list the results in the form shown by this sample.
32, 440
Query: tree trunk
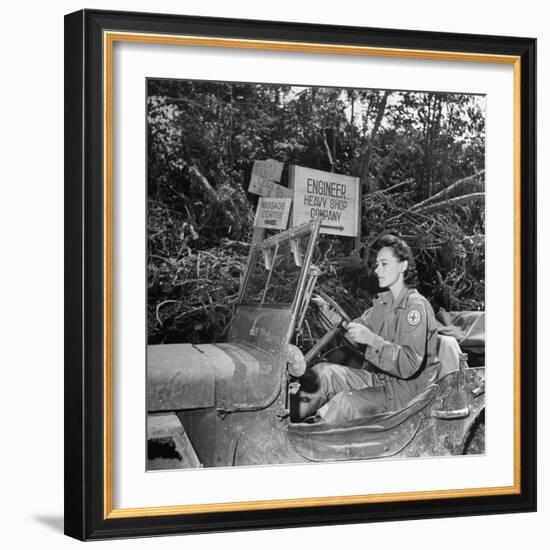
367, 183
431, 138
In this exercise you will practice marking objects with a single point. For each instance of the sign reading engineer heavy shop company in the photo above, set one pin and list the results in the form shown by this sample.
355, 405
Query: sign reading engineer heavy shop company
332, 198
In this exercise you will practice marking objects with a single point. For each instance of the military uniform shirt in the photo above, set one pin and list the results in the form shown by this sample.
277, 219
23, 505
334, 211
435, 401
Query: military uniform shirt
404, 350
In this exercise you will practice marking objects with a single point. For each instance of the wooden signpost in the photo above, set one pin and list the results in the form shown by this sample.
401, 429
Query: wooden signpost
272, 213
335, 199
268, 169
267, 188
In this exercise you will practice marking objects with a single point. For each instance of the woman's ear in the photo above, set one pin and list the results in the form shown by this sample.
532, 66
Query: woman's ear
404, 265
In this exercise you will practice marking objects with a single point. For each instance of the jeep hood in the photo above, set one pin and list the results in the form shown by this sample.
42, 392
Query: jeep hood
228, 376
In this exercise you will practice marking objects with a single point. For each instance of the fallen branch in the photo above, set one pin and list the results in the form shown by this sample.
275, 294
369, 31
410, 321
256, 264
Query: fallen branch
420, 207
236, 244
446, 191
160, 305
456, 201
391, 188
169, 261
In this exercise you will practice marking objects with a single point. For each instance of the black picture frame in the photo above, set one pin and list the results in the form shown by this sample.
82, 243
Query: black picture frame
88, 515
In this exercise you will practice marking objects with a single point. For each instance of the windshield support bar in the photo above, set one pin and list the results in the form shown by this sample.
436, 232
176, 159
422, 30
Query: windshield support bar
270, 272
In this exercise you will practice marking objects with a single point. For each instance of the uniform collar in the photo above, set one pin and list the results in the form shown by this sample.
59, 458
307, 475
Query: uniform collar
402, 300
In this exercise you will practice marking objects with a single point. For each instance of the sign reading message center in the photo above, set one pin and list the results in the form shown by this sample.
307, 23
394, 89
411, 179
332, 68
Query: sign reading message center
272, 213
332, 198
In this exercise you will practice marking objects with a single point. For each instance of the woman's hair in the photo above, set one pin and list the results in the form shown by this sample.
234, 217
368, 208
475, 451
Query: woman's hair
402, 251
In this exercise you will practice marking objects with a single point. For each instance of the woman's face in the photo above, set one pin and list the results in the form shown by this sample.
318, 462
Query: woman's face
389, 269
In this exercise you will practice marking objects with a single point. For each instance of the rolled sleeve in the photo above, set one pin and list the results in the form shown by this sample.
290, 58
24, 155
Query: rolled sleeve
404, 356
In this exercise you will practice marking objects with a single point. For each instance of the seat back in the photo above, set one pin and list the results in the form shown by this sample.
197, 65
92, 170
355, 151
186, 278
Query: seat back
449, 354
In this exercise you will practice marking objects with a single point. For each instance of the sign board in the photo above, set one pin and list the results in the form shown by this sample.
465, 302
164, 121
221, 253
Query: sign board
272, 213
268, 169
267, 188
333, 198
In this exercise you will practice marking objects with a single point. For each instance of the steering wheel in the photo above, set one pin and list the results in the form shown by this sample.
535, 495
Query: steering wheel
331, 327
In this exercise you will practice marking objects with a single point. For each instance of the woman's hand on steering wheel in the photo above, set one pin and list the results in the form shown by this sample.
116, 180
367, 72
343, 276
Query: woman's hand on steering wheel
334, 319
359, 333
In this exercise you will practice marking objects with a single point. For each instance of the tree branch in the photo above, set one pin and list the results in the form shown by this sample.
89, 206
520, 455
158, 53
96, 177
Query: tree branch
327, 149
456, 201
446, 191
196, 175
391, 188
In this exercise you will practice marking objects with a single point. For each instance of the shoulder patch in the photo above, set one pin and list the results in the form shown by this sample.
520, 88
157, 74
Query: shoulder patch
413, 317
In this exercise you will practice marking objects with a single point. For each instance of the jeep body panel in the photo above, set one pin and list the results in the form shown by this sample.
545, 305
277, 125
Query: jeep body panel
226, 376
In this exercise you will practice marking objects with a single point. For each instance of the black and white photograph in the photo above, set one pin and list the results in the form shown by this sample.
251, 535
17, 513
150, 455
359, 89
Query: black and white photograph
315, 274
270, 275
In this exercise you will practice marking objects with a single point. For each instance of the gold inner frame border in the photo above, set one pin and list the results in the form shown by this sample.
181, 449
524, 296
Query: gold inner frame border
109, 40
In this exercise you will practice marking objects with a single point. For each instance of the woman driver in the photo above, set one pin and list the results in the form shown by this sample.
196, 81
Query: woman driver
400, 335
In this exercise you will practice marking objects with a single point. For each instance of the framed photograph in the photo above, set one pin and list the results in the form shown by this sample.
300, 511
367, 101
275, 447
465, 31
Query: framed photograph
300, 274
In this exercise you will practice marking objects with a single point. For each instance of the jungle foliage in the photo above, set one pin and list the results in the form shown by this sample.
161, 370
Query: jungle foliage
419, 157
